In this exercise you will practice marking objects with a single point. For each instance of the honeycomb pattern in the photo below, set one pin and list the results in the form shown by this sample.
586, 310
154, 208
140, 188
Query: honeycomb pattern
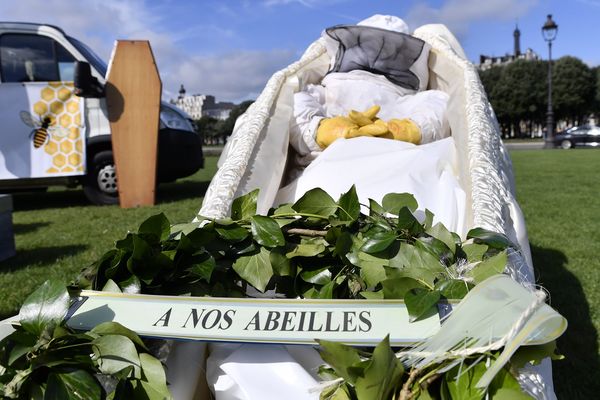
64, 144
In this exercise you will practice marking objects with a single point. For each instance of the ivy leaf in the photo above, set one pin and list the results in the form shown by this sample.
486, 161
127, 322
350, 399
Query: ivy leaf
378, 241
420, 303
488, 267
474, 251
115, 353
317, 202
372, 295
73, 385
153, 372
493, 239
453, 288
232, 233
115, 328
203, 269
44, 308
280, 263
158, 227
340, 357
394, 202
382, 375
440, 232
396, 288
321, 276
463, 387
407, 221
428, 219
266, 231
534, 354
375, 209
349, 206
244, 207
306, 250
255, 269
326, 291
372, 273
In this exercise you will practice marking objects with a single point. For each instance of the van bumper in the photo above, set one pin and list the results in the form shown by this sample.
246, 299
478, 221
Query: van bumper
179, 154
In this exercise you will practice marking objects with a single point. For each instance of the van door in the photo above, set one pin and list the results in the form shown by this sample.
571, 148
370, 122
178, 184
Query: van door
41, 129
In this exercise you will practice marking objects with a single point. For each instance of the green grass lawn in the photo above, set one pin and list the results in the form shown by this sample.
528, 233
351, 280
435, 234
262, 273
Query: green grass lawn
559, 192
58, 233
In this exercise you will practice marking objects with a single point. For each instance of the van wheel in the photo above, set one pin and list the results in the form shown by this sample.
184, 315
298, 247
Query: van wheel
100, 185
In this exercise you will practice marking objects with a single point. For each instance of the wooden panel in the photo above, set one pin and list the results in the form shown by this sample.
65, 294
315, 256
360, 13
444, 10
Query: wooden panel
133, 91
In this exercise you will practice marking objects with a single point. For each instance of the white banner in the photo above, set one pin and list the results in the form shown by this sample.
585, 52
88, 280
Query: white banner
288, 321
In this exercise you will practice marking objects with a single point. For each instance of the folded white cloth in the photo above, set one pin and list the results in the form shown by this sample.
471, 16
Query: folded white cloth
379, 166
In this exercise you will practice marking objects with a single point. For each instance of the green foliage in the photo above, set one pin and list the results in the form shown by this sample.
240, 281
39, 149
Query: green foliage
316, 248
43, 358
573, 88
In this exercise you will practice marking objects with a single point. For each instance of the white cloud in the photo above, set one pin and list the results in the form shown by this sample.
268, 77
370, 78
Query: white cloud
100, 22
459, 14
235, 76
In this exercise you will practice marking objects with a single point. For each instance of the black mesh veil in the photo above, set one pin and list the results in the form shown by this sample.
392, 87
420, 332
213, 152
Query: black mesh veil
378, 51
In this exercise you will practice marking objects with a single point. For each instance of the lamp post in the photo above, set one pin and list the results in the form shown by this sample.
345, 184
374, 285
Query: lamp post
549, 31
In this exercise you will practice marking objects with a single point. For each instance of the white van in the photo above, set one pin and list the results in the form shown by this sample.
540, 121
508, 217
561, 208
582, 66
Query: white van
51, 136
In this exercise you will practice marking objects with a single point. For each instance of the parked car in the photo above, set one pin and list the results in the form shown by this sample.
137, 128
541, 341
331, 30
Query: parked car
578, 136
55, 132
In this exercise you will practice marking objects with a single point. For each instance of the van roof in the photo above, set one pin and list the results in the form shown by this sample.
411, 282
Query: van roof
27, 25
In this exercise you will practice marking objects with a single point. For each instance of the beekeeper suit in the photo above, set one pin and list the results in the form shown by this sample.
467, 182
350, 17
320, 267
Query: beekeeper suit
374, 63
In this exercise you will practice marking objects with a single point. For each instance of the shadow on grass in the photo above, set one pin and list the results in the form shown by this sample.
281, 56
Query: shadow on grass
166, 193
578, 375
181, 190
40, 256
20, 229
44, 200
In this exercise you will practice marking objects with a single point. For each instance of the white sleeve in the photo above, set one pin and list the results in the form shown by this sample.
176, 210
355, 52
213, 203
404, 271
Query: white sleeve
308, 113
428, 110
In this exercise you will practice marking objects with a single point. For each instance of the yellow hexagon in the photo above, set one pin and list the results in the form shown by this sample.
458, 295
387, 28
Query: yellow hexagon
56, 107
73, 106
67, 169
52, 170
40, 108
73, 133
65, 120
63, 94
47, 94
56, 84
66, 146
78, 119
51, 147
59, 160
75, 159
79, 146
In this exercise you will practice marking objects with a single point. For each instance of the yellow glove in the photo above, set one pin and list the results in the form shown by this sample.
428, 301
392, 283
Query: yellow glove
334, 128
404, 129
355, 124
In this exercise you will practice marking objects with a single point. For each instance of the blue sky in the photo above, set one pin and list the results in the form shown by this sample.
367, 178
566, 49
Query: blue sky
229, 48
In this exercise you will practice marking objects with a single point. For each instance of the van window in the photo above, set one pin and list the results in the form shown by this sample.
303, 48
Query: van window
34, 58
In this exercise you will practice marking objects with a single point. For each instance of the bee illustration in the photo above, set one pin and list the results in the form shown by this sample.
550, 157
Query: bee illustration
42, 128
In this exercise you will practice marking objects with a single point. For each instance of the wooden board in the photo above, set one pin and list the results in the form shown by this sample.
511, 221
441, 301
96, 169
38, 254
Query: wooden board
133, 91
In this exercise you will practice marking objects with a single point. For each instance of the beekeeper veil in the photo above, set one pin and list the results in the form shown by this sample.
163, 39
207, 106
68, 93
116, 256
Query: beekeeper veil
380, 45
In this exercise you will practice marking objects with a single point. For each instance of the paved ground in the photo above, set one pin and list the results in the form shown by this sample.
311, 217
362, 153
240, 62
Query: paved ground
512, 145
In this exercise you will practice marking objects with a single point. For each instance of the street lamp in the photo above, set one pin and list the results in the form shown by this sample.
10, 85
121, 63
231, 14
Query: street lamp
549, 31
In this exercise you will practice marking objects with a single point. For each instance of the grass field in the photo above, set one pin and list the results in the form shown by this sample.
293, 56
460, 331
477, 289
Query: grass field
58, 233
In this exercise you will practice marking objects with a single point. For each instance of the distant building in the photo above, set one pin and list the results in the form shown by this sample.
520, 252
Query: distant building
199, 105
190, 104
487, 62
220, 110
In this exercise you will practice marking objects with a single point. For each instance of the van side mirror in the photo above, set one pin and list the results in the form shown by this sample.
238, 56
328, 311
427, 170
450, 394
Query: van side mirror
86, 85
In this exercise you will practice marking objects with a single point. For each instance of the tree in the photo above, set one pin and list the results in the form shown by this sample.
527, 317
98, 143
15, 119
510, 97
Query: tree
238, 110
596, 103
519, 94
572, 89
